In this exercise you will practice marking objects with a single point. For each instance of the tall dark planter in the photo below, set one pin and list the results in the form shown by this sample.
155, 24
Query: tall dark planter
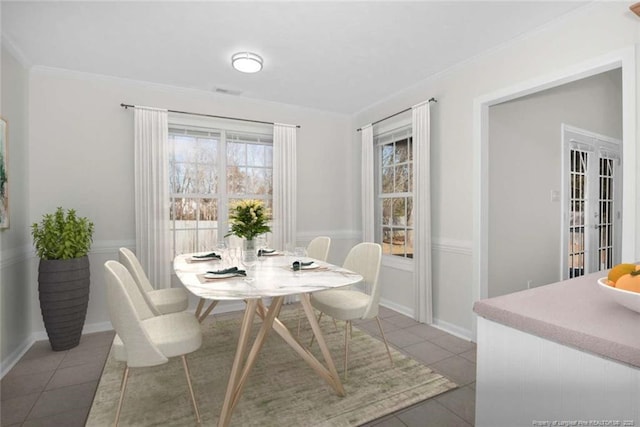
63, 287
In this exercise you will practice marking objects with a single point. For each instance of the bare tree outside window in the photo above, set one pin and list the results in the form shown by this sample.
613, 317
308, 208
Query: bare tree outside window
395, 193
209, 169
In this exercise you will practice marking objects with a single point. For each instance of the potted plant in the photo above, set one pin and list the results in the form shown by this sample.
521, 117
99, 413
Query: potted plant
62, 241
248, 219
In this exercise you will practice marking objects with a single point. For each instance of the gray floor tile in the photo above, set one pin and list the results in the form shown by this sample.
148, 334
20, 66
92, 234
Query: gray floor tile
427, 352
39, 349
64, 399
97, 339
402, 338
20, 385
85, 355
425, 331
384, 312
15, 411
469, 355
392, 421
73, 418
461, 401
431, 414
48, 362
77, 374
401, 321
456, 368
453, 344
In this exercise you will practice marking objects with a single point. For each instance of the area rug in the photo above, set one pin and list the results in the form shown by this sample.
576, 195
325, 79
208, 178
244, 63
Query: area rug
282, 390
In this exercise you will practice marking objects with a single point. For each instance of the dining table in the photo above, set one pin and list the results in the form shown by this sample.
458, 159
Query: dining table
274, 277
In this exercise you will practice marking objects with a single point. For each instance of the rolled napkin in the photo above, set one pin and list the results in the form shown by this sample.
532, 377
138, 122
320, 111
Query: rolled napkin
265, 251
230, 270
297, 265
209, 255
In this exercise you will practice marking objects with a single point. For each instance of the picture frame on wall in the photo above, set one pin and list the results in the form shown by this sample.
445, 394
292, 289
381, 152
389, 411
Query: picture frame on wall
4, 178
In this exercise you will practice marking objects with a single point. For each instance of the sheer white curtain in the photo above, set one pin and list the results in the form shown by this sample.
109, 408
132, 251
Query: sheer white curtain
368, 208
152, 194
284, 188
284, 185
422, 212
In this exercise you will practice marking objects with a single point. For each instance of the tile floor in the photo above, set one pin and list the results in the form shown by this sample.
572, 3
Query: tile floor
47, 388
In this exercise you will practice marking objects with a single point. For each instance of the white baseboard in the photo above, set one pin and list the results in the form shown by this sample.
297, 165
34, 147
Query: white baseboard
397, 307
15, 356
452, 329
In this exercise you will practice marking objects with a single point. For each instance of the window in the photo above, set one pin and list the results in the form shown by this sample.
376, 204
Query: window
209, 169
394, 192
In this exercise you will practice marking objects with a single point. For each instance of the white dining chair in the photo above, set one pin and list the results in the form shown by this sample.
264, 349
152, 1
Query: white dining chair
353, 304
318, 248
142, 338
161, 301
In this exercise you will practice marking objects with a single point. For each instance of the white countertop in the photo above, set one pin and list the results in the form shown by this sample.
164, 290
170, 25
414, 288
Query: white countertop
574, 312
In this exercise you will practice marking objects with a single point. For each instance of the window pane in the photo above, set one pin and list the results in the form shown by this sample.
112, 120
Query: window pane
386, 240
236, 180
399, 212
183, 209
386, 154
207, 150
409, 211
236, 154
257, 181
207, 180
183, 148
402, 151
386, 211
409, 244
185, 241
402, 179
208, 213
255, 155
387, 180
268, 156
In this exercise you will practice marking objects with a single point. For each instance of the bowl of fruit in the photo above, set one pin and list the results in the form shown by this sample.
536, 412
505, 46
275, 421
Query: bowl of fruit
623, 285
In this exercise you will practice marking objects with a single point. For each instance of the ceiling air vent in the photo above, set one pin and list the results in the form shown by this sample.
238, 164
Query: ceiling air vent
226, 91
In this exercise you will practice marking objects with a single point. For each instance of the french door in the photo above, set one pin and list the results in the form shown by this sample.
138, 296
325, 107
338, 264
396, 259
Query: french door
592, 177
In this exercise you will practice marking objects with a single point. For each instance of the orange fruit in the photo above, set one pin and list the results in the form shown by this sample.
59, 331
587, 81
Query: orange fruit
629, 282
620, 270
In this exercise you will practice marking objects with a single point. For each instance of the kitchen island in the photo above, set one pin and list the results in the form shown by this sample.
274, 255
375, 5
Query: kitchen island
563, 354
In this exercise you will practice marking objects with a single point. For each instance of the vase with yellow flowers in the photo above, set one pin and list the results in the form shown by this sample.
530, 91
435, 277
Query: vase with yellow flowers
249, 219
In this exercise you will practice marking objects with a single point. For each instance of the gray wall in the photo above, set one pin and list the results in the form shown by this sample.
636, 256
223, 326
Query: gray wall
16, 295
525, 145
581, 37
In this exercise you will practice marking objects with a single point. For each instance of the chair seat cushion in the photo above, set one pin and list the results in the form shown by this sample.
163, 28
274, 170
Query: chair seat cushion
173, 334
341, 304
171, 300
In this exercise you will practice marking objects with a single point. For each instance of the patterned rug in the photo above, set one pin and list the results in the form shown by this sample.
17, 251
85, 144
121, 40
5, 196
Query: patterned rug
282, 390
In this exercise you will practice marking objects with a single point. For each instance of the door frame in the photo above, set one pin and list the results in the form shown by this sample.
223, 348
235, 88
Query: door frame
624, 59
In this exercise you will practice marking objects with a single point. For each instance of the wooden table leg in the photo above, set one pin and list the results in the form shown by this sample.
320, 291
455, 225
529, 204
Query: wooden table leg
328, 372
204, 315
236, 368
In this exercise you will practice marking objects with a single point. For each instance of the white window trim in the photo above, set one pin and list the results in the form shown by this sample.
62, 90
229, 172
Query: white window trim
392, 261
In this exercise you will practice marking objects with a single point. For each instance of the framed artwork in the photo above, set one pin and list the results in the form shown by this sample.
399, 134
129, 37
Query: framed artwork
4, 179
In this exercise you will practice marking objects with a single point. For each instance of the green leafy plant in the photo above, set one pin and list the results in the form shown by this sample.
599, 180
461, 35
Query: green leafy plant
62, 235
248, 218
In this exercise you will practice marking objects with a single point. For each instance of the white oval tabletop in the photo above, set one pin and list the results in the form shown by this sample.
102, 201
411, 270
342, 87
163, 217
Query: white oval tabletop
272, 276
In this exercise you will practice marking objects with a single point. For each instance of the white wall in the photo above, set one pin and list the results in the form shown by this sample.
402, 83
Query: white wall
591, 32
525, 145
81, 148
16, 296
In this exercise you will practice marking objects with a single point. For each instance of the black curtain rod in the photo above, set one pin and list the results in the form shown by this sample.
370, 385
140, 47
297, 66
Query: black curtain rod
395, 114
126, 106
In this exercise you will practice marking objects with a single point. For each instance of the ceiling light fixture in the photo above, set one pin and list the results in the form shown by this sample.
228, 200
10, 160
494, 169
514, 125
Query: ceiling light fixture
246, 62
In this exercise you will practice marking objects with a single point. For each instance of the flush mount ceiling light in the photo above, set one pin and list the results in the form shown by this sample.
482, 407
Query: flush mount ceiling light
246, 62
